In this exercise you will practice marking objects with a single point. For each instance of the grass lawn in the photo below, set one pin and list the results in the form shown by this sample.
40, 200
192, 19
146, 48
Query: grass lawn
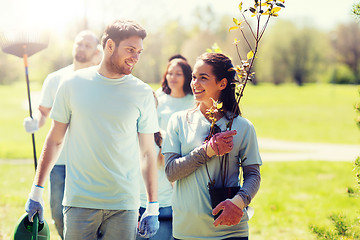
292, 196
312, 113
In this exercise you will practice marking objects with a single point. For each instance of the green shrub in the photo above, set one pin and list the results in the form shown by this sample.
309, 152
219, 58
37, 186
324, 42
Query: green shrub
342, 74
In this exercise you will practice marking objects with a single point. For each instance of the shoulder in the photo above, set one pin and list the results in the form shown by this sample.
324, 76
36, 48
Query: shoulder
243, 123
159, 92
140, 85
85, 74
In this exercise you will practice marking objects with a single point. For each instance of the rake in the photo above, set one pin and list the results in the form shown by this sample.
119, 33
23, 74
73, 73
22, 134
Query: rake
25, 44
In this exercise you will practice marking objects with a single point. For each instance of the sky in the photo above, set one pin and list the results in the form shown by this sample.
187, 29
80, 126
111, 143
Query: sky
17, 14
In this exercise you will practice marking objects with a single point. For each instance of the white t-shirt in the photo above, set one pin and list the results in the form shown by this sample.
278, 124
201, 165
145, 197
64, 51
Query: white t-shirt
49, 89
102, 149
191, 201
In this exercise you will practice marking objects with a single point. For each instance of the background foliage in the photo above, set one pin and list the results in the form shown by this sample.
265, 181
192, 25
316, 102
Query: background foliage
290, 52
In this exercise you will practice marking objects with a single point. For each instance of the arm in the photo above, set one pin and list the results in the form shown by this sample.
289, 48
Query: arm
251, 184
149, 165
232, 208
177, 167
50, 151
149, 223
43, 114
38, 119
48, 158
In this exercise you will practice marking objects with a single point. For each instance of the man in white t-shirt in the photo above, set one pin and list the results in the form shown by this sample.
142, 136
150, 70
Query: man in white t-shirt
85, 54
109, 118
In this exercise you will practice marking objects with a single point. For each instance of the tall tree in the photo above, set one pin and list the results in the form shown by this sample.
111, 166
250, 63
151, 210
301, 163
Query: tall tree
345, 41
293, 53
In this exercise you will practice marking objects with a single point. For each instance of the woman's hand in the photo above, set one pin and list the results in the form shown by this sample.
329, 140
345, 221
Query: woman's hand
220, 143
231, 212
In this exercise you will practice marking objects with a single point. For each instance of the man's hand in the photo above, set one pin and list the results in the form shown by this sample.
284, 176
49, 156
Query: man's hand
35, 204
149, 222
31, 125
231, 212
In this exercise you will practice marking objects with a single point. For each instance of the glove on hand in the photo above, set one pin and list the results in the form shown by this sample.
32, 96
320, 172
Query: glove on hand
31, 125
149, 222
231, 212
35, 204
222, 143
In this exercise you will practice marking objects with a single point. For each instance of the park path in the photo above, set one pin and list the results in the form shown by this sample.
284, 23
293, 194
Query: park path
279, 150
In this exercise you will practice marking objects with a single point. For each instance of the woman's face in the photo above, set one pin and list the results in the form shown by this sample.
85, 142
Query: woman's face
175, 77
204, 85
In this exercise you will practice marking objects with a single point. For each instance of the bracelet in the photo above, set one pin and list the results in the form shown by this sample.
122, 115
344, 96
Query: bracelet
39, 186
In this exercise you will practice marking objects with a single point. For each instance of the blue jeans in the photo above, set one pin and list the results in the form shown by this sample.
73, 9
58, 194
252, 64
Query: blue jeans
57, 185
93, 224
165, 229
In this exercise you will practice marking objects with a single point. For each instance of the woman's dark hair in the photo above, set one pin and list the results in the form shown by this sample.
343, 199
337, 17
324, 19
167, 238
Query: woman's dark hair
120, 30
187, 71
222, 68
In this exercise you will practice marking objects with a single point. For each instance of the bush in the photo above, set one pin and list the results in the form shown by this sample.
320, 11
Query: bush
342, 74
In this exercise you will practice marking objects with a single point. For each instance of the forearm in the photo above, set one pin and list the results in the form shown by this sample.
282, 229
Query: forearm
149, 172
178, 167
50, 151
48, 157
42, 115
149, 165
251, 184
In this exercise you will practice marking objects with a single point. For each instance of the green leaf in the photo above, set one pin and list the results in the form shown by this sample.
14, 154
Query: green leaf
236, 21
276, 9
250, 55
240, 6
233, 28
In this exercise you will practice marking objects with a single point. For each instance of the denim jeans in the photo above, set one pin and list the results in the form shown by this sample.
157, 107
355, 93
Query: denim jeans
165, 229
93, 224
57, 185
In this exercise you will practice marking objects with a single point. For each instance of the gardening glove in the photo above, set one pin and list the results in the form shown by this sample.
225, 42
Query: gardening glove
231, 211
35, 203
31, 125
222, 143
149, 222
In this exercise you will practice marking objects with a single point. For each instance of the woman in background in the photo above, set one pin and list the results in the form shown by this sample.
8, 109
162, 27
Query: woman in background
175, 95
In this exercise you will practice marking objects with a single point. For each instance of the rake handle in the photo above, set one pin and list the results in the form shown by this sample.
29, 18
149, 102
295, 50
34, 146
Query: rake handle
29, 101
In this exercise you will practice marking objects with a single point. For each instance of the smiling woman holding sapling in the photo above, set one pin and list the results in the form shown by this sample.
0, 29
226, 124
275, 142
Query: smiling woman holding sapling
203, 157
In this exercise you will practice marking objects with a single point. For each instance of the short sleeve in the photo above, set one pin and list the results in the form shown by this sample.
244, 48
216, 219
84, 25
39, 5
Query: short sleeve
250, 148
48, 91
61, 110
148, 121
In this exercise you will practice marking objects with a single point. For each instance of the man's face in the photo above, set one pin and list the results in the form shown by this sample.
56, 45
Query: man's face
85, 48
125, 56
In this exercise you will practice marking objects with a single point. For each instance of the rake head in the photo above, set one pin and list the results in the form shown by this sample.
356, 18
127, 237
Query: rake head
21, 43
